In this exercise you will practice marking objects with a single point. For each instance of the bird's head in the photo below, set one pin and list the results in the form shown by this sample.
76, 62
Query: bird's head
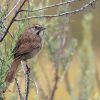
36, 29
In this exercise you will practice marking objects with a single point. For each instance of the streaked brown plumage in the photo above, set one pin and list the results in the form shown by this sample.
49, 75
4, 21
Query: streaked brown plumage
27, 46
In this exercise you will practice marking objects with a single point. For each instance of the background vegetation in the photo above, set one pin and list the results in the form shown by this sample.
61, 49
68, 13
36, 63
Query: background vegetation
67, 68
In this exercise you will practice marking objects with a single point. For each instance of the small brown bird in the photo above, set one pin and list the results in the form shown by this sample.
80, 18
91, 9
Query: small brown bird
27, 46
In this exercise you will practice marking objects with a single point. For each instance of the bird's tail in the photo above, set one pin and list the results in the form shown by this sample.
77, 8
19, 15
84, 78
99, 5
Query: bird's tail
12, 71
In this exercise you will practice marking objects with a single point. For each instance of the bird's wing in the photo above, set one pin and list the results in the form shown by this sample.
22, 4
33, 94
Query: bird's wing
25, 46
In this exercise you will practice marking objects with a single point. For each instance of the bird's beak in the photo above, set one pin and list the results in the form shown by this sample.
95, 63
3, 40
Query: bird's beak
43, 28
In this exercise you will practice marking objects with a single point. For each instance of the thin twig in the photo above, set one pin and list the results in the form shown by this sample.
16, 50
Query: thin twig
64, 73
68, 85
61, 14
40, 91
28, 12
12, 20
18, 88
9, 33
36, 86
12, 9
55, 84
54, 5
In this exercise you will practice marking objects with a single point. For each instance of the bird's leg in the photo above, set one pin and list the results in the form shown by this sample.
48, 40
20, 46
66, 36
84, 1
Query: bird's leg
28, 69
25, 66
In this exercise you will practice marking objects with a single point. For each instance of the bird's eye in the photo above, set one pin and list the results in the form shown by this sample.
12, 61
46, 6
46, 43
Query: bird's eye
35, 27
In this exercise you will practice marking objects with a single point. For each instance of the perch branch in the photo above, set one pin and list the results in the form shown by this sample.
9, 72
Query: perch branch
26, 70
27, 83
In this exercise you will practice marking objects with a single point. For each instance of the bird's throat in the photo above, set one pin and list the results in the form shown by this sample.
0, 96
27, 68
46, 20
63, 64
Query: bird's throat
38, 33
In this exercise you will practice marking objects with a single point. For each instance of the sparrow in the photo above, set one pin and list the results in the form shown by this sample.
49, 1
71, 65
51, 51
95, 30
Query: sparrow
27, 46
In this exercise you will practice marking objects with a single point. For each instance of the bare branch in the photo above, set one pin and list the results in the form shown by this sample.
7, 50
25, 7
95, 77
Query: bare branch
12, 20
55, 84
12, 9
9, 32
61, 14
28, 12
18, 88
43, 16
54, 5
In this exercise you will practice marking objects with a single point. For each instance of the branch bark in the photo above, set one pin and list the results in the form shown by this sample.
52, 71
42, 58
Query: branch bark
12, 20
